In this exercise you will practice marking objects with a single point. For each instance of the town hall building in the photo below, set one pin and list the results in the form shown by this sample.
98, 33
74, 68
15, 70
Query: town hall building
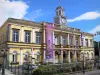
45, 42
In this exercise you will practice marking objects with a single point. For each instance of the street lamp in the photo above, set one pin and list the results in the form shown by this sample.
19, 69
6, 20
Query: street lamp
3, 65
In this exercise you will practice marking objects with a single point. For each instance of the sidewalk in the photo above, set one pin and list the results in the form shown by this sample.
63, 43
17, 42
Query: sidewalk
95, 72
7, 72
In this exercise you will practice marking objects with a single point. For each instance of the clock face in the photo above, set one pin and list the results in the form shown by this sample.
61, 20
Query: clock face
63, 20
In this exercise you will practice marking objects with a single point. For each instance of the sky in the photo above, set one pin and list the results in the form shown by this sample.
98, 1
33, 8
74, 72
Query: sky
82, 14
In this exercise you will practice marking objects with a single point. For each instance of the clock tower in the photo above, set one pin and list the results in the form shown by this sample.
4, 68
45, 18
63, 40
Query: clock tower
60, 17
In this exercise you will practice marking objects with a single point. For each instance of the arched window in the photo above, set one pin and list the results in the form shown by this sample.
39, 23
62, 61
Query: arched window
26, 56
87, 55
59, 12
92, 55
14, 56
64, 40
38, 56
56, 39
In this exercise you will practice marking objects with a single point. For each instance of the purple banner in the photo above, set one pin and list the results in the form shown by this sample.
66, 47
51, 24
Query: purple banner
49, 42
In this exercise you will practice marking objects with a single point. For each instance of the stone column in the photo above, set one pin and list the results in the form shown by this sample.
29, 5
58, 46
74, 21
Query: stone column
69, 57
80, 42
22, 34
33, 61
44, 36
75, 56
33, 35
68, 38
53, 56
61, 42
89, 43
9, 32
21, 56
74, 39
84, 44
44, 56
61, 56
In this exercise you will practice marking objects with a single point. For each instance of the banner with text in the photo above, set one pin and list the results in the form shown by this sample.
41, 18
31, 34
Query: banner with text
49, 42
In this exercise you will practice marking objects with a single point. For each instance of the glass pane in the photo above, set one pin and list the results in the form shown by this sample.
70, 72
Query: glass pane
64, 40
38, 38
27, 36
15, 35
13, 58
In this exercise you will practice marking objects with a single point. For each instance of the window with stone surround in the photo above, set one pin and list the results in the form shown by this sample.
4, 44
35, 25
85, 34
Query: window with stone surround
56, 40
14, 56
64, 40
76, 41
27, 36
91, 42
70, 40
86, 42
82, 42
38, 37
15, 35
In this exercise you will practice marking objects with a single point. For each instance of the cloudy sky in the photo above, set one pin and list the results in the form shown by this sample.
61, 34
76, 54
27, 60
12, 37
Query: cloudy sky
82, 14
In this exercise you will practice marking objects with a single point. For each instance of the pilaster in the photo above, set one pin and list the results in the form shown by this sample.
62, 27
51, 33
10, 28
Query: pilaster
84, 43
53, 56
44, 56
74, 40
68, 38
33, 35
22, 34
61, 56
75, 56
21, 56
69, 57
80, 40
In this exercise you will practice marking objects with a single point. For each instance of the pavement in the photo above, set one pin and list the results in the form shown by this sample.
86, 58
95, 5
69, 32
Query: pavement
7, 72
95, 72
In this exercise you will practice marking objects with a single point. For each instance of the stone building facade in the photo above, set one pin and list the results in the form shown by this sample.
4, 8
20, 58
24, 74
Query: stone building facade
27, 40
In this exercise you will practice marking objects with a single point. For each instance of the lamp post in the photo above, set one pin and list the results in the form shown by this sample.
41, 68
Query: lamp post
3, 65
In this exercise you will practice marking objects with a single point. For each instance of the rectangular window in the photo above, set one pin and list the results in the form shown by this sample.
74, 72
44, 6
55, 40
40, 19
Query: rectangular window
86, 42
76, 41
91, 42
70, 40
82, 42
56, 40
64, 40
38, 38
27, 36
14, 58
15, 35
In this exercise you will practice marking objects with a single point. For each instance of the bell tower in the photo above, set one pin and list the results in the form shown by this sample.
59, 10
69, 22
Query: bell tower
60, 17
